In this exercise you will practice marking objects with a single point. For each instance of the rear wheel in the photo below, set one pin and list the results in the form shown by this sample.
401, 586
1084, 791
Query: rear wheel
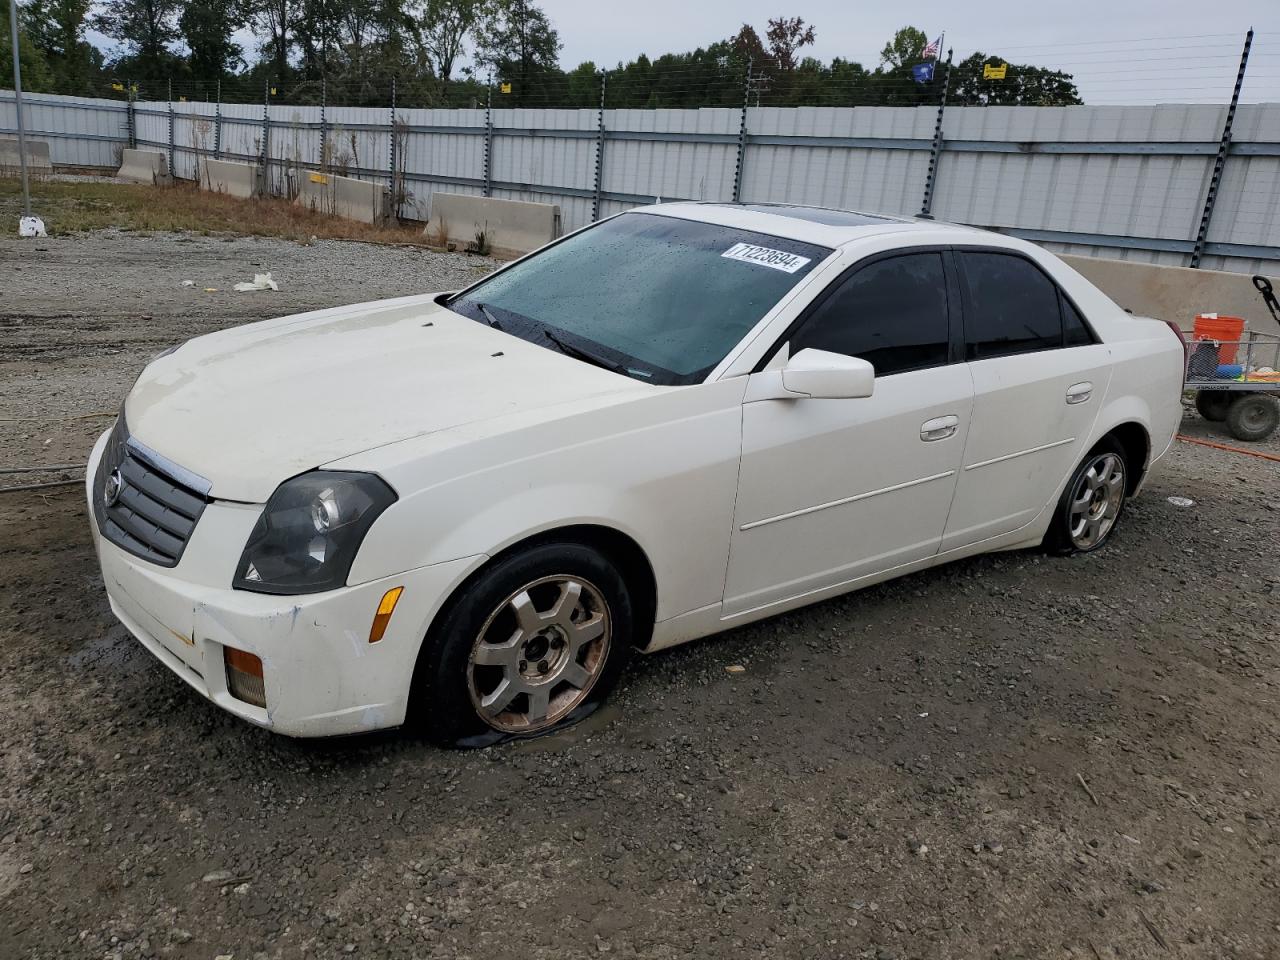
1213, 404
526, 646
1091, 503
1253, 416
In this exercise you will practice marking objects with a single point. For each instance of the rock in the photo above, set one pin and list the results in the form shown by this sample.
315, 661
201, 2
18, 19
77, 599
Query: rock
217, 876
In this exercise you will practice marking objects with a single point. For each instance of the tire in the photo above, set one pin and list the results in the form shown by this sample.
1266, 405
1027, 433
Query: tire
1253, 416
1213, 404
528, 645
1091, 502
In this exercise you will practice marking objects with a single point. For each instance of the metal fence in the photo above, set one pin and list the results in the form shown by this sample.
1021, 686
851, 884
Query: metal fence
1178, 184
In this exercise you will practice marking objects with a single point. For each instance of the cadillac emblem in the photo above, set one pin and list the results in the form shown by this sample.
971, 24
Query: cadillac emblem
111, 489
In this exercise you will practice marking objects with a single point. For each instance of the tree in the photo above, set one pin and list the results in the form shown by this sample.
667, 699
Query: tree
57, 28
786, 36
515, 38
208, 28
36, 75
747, 46
904, 49
1023, 85
278, 20
444, 26
145, 27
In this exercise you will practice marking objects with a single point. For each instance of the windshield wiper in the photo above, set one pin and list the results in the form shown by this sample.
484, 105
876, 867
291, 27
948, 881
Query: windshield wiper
587, 355
489, 318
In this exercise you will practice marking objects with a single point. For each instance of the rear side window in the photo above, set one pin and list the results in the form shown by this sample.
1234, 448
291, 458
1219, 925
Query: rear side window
891, 313
1014, 307
1075, 332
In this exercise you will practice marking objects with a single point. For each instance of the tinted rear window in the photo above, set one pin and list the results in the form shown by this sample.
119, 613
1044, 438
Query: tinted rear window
1013, 306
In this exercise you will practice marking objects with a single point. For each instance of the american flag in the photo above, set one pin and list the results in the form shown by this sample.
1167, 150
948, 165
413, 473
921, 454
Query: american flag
931, 49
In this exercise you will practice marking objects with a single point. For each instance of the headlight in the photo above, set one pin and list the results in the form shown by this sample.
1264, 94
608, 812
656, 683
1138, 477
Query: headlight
308, 534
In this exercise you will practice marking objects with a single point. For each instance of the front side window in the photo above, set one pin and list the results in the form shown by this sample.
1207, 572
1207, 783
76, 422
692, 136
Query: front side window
657, 298
1013, 306
891, 313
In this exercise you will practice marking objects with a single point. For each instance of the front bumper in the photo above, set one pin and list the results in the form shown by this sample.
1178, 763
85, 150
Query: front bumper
321, 674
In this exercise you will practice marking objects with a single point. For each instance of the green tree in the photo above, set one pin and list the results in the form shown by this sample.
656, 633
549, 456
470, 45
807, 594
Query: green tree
516, 39
208, 28
1023, 85
36, 75
146, 28
57, 28
444, 27
904, 49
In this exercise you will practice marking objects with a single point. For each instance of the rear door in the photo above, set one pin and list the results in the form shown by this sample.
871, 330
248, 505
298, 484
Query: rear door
1039, 377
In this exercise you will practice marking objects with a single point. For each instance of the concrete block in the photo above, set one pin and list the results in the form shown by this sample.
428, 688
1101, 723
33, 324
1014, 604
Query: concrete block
144, 166
234, 179
1178, 293
512, 227
347, 197
37, 155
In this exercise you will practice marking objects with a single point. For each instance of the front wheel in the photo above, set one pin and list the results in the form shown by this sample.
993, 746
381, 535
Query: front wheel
528, 644
1091, 503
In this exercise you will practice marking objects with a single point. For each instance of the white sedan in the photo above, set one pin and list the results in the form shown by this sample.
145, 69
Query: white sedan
466, 510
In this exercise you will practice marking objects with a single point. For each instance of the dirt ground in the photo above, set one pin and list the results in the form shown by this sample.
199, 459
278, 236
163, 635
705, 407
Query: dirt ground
1012, 756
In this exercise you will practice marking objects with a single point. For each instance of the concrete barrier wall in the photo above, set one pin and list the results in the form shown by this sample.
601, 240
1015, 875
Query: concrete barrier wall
37, 155
512, 227
346, 197
143, 166
1178, 293
234, 179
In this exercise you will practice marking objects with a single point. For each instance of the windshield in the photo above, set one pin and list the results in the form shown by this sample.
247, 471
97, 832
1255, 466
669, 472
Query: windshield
657, 298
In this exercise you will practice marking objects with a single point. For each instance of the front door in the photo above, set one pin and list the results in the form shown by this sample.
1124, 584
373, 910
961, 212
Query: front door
831, 491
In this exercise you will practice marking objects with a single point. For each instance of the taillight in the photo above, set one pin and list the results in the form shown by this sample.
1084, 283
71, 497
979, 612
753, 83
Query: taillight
1186, 345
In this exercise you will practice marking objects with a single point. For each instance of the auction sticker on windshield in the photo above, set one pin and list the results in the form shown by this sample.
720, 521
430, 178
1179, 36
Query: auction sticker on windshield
765, 257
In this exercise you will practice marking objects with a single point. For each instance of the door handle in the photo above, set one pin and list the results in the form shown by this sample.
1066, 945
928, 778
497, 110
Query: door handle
939, 428
1080, 392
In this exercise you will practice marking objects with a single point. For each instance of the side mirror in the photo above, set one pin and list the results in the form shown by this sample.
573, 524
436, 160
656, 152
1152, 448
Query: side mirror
822, 375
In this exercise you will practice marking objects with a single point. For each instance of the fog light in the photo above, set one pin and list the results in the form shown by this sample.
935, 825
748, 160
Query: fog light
244, 676
382, 617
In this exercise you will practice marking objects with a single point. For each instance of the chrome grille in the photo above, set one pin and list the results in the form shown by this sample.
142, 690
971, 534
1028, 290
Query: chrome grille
151, 507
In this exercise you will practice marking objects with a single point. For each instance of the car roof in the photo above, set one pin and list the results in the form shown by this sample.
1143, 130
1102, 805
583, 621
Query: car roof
821, 225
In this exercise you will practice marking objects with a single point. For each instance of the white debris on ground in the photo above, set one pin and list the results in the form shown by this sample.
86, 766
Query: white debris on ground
261, 281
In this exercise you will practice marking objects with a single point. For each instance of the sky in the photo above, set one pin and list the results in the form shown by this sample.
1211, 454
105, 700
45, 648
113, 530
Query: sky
1130, 51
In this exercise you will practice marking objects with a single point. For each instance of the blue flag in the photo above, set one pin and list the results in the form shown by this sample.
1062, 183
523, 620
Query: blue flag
923, 72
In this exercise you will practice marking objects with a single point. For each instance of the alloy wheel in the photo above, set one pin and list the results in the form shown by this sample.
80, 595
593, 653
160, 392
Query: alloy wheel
539, 653
1096, 501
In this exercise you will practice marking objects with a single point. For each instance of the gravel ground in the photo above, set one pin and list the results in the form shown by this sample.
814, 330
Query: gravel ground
1012, 756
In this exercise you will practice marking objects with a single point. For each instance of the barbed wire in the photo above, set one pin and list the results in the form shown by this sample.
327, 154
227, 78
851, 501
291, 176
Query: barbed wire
1105, 72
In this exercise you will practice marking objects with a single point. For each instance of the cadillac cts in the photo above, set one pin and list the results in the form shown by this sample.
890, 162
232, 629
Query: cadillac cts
467, 509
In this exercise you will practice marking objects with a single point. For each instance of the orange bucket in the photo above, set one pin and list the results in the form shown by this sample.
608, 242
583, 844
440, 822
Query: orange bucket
1228, 331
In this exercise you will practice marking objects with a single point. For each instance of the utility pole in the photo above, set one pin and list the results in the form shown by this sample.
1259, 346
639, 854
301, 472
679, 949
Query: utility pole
17, 102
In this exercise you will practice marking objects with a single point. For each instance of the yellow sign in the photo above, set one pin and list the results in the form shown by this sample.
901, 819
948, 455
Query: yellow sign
505, 88
994, 71
118, 86
319, 178
273, 91
182, 99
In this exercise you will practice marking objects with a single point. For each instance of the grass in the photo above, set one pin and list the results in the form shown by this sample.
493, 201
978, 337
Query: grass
76, 207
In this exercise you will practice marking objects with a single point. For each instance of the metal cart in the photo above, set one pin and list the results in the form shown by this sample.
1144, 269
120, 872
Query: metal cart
1239, 381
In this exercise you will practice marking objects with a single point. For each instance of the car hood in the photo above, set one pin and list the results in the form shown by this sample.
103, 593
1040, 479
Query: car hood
249, 407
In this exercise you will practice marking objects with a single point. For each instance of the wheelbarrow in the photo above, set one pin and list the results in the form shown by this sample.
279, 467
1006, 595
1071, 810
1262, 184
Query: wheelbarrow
1238, 381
